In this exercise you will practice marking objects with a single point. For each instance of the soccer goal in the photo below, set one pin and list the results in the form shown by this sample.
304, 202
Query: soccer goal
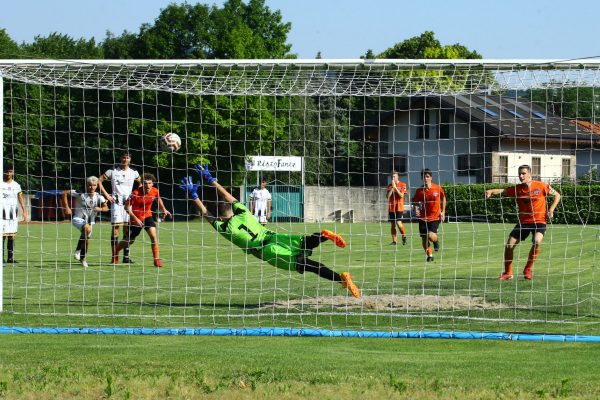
325, 139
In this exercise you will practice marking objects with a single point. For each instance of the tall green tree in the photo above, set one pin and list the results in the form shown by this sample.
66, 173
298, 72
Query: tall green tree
8, 47
61, 46
426, 46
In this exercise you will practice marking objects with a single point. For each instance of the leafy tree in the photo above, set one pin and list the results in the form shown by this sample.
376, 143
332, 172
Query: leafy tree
60, 46
426, 46
8, 47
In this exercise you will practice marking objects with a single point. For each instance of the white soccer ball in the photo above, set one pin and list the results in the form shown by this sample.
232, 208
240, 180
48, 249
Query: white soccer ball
170, 142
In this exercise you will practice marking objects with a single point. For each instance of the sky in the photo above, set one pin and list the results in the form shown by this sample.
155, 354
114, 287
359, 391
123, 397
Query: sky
346, 29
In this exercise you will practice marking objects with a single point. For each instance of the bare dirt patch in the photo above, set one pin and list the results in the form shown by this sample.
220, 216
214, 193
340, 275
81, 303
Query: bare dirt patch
388, 302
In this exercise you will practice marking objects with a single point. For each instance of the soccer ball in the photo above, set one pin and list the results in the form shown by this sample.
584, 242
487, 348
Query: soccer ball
170, 142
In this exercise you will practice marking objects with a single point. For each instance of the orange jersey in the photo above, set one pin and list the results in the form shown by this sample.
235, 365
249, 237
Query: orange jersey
395, 201
141, 203
429, 202
531, 201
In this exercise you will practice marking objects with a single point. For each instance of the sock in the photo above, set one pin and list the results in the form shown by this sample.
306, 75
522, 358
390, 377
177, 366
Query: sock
11, 247
126, 252
533, 254
402, 231
81, 246
114, 240
305, 264
508, 259
427, 248
155, 251
394, 236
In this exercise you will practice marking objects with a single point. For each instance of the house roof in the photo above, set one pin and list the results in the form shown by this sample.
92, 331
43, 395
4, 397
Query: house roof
492, 115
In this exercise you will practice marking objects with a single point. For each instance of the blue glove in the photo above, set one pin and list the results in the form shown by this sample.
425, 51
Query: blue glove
188, 185
204, 173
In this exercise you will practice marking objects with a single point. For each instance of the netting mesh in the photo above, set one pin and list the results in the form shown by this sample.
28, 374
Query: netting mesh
350, 123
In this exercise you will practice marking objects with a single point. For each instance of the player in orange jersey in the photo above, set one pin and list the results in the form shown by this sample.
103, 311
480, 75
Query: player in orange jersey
395, 194
531, 201
139, 206
429, 204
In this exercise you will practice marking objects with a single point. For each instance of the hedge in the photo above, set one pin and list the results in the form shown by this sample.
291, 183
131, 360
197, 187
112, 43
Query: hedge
580, 204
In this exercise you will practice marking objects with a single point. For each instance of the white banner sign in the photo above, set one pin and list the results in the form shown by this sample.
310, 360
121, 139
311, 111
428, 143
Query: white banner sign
272, 163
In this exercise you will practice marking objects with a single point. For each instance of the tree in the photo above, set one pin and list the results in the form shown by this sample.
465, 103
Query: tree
60, 46
181, 31
426, 46
8, 47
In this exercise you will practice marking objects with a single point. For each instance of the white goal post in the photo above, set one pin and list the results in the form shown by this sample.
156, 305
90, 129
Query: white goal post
472, 123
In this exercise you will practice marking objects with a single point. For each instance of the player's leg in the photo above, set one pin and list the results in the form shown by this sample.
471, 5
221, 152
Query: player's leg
513, 239
434, 238
10, 249
154, 244
304, 264
402, 230
424, 233
393, 232
86, 232
536, 242
132, 233
10, 227
126, 259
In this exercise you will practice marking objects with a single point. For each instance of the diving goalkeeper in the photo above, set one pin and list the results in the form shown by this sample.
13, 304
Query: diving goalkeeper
280, 250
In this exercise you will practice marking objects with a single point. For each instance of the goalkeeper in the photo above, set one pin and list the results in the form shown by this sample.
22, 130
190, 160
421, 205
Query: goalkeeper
280, 250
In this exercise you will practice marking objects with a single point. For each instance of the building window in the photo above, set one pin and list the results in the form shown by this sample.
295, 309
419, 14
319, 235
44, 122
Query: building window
502, 176
538, 114
423, 124
488, 111
468, 164
536, 168
444, 125
516, 114
399, 164
566, 168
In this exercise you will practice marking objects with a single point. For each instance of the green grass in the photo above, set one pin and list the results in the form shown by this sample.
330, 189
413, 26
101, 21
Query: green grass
208, 283
139, 367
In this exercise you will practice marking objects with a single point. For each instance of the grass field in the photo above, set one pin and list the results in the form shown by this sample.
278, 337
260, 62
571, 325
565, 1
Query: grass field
208, 283
159, 367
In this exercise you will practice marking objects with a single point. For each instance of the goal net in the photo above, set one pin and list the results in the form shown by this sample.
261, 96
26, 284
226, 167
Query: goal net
325, 136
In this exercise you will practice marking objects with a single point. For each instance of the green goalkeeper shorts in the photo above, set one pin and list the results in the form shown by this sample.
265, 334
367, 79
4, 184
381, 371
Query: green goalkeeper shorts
282, 250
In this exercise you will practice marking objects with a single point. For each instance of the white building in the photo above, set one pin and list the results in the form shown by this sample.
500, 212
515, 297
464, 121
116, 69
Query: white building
475, 139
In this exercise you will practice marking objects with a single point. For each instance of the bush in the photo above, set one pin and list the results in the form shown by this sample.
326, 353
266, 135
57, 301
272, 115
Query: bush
580, 204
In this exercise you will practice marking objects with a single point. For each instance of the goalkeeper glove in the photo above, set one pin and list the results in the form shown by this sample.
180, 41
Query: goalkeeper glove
205, 173
188, 185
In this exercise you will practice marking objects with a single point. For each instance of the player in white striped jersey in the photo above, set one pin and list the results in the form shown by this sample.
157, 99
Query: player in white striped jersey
89, 204
12, 197
124, 179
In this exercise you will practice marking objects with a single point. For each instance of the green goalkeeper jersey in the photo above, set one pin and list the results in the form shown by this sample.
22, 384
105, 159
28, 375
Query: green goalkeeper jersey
243, 229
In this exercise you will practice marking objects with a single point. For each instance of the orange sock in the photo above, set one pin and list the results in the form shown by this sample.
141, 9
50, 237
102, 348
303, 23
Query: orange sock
402, 230
533, 254
508, 260
155, 251
394, 236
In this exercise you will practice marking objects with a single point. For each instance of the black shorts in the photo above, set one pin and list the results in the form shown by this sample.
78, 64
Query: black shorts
521, 232
394, 216
426, 227
134, 230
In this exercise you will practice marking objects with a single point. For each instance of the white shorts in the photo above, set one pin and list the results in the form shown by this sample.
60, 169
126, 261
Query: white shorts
10, 220
79, 223
118, 214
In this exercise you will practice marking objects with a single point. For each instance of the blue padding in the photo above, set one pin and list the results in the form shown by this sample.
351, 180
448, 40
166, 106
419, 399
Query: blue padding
305, 333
